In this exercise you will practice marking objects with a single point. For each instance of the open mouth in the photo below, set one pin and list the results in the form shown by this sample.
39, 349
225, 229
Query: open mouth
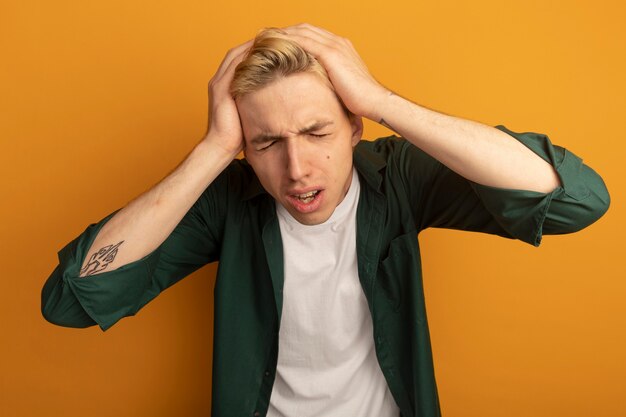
307, 197
306, 202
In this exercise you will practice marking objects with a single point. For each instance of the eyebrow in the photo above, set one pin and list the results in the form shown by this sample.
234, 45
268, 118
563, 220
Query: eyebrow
267, 137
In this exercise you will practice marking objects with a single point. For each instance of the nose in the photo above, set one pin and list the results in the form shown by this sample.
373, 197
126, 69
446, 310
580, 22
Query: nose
296, 159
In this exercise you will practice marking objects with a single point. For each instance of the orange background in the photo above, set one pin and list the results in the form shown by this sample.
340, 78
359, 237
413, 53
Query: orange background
101, 99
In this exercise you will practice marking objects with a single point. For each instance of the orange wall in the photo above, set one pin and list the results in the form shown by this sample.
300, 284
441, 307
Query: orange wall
101, 99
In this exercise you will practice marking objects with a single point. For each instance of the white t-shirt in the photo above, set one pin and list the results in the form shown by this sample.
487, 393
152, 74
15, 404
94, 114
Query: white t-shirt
326, 359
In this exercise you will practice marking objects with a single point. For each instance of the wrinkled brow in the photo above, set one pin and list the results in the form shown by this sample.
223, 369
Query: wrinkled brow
267, 137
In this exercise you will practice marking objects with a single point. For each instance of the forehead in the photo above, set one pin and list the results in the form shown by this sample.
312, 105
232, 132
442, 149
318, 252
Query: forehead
288, 104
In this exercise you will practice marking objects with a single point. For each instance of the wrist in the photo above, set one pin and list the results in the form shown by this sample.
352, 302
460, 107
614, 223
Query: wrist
217, 149
206, 161
383, 105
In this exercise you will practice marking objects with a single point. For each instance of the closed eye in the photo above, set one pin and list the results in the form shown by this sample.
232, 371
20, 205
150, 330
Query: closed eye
267, 146
318, 136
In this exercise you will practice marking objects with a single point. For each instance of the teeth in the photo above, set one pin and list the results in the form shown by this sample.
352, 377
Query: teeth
307, 197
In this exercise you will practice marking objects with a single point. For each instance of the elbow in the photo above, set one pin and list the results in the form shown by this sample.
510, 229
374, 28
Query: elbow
60, 306
602, 201
599, 198
62, 321
65, 318
583, 197
47, 311
593, 207
51, 315
51, 293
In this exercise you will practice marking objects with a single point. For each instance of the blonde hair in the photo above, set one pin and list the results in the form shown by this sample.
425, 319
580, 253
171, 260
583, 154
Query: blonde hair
271, 57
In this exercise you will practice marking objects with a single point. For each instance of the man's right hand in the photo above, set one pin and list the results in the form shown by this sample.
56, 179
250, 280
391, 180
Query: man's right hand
224, 123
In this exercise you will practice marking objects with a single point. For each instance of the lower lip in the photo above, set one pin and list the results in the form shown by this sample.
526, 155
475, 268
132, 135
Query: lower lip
309, 207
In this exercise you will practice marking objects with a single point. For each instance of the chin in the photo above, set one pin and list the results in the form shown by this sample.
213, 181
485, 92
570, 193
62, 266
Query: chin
311, 219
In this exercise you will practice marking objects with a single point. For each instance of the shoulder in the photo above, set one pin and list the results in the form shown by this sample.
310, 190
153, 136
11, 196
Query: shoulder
392, 151
392, 162
239, 181
382, 146
389, 147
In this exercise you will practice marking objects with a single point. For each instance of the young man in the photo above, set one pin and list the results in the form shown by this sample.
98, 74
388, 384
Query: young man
319, 305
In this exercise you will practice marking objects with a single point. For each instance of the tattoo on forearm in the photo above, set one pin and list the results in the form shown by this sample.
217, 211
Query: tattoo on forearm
387, 125
382, 121
100, 260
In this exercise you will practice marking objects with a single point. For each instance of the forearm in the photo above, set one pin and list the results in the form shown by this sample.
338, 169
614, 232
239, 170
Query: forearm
144, 223
479, 153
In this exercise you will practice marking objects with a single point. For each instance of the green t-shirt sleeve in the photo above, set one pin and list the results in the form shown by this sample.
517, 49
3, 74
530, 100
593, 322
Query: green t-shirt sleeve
444, 199
105, 298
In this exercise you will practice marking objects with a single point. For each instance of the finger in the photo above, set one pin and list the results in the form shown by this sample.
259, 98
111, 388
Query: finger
231, 55
326, 33
230, 70
224, 79
340, 41
305, 33
310, 29
316, 46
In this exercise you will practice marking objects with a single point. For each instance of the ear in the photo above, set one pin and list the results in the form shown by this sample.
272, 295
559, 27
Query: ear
357, 128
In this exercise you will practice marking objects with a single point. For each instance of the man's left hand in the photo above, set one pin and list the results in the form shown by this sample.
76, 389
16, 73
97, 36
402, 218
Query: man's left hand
358, 89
